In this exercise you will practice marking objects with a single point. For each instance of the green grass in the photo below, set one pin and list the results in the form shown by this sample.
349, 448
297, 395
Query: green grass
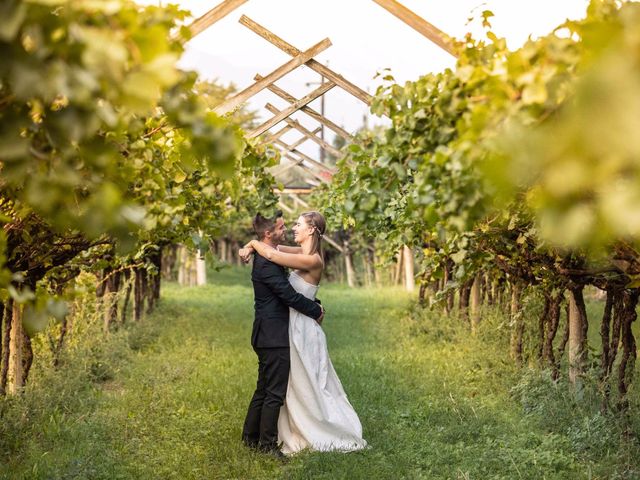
166, 399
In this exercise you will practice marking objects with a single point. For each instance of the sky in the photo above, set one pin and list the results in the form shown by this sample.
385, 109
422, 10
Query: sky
366, 39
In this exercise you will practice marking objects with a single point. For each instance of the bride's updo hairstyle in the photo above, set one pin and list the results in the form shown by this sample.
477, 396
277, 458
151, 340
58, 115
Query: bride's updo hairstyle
316, 221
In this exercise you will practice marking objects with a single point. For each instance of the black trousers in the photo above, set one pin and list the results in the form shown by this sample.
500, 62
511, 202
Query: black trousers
261, 423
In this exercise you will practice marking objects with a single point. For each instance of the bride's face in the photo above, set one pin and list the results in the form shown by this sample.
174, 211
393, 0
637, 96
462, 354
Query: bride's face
301, 230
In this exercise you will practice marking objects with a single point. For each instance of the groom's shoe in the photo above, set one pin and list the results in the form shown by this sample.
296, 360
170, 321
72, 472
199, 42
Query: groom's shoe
250, 442
274, 451
269, 432
269, 425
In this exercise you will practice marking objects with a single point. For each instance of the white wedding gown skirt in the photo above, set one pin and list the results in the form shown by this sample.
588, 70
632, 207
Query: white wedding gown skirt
316, 413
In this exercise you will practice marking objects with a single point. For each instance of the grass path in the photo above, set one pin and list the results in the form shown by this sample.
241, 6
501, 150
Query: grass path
432, 406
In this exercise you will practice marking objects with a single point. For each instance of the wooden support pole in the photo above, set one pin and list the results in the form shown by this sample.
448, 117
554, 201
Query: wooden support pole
290, 110
312, 64
409, 279
281, 71
474, 303
308, 134
212, 16
201, 266
418, 23
16, 351
310, 111
201, 272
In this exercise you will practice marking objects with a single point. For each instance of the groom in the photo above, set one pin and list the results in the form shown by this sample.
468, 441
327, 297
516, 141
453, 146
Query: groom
273, 296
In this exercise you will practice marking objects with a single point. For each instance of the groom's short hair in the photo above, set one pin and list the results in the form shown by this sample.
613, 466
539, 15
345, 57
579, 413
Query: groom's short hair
262, 225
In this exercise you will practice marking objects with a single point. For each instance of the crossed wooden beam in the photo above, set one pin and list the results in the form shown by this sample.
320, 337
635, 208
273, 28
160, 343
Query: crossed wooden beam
306, 57
394, 7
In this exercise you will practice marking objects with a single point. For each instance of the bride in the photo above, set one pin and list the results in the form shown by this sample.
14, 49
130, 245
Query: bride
316, 413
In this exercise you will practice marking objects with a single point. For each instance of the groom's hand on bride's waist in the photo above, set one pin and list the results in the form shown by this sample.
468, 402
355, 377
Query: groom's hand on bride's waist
321, 317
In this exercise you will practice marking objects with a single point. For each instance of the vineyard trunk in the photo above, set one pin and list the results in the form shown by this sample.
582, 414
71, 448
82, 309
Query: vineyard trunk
577, 333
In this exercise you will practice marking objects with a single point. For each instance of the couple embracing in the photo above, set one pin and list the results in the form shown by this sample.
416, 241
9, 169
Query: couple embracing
299, 402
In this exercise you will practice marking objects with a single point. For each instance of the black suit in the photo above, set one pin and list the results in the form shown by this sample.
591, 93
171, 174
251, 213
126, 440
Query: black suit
273, 296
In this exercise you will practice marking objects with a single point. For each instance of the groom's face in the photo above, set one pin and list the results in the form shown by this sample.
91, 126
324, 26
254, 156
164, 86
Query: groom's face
279, 232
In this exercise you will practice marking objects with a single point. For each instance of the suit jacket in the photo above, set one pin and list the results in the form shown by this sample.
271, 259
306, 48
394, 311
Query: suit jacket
273, 295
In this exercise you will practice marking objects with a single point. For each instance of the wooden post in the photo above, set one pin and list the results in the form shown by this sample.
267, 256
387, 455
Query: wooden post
409, 280
201, 271
201, 267
281, 71
475, 302
16, 344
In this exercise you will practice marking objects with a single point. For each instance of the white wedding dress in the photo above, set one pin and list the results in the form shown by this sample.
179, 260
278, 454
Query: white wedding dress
316, 413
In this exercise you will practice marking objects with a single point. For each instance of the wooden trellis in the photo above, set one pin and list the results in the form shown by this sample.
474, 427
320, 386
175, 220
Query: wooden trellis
290, 152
